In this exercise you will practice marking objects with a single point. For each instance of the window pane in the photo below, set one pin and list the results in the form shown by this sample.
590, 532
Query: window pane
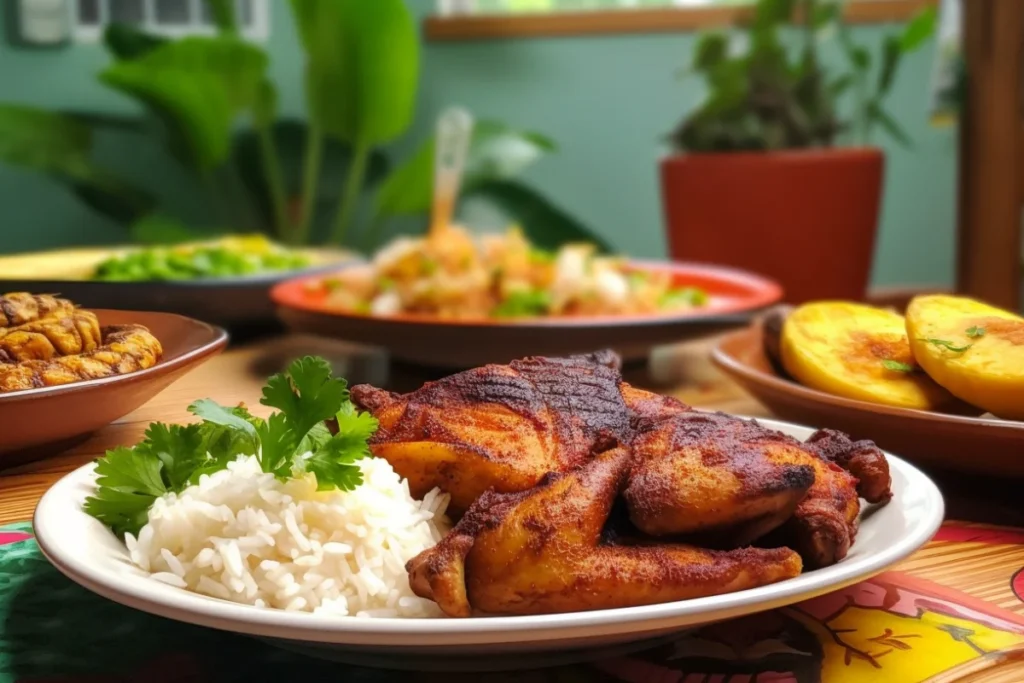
244, 13
126, 11
172, 11
89, 12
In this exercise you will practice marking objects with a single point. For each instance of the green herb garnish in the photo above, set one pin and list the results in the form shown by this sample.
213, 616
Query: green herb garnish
175, 263
975, 332
948, 345
172, 457
897, 366
525, 303
686, 296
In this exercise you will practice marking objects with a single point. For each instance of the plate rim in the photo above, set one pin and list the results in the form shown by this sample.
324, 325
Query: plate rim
767, 293
217, 339
733, 365
175, 603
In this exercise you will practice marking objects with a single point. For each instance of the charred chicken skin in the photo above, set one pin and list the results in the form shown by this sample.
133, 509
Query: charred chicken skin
49, 337
539, 551
716, 476
500, 427
126, 348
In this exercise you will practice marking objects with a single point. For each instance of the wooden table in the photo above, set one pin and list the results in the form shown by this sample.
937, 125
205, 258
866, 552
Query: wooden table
961, 563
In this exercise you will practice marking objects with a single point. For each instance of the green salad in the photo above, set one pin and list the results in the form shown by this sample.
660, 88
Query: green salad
230, 257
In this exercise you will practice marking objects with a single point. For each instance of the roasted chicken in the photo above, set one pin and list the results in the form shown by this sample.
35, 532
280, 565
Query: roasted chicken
539, 551
18, 308
46, 338
500, 427
126, 348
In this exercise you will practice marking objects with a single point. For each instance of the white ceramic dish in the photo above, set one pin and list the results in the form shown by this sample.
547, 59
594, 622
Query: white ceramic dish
84, 550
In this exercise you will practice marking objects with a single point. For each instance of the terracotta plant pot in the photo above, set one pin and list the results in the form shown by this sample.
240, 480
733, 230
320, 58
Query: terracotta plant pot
807, 219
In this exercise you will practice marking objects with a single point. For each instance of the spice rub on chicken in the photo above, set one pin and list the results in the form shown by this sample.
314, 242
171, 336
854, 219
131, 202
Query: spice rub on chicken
500, 427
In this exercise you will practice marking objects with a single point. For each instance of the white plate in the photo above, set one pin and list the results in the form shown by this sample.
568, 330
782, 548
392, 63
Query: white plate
89, 554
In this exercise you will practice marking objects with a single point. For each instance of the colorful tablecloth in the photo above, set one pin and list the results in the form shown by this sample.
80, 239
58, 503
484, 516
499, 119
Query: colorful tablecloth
948, 614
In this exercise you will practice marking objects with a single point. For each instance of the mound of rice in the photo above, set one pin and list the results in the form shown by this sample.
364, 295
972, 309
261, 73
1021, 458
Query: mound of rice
242, 535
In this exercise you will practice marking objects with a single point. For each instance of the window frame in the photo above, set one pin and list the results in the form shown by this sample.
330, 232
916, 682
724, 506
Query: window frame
455, 27
259, 31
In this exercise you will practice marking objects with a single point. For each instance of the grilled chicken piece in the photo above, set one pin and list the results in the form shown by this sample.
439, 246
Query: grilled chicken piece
727, 480
126, 348
824, 525
46, 338
18, 308
500, 427
539, 551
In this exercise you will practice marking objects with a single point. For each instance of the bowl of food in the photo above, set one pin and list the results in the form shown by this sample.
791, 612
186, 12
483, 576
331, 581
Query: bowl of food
941, 384
456, 299
67, 371
541, 506
223, 281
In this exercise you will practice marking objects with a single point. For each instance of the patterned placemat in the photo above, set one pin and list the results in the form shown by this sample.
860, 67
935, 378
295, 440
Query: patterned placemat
952, 611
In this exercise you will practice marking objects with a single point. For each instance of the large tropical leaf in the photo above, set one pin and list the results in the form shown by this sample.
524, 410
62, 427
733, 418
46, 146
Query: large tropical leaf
59, 145
362, 67
545, 224
127, 42
497, 152
196, 86
290, 140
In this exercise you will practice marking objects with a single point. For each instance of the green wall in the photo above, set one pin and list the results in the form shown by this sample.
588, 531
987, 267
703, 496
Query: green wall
606, 100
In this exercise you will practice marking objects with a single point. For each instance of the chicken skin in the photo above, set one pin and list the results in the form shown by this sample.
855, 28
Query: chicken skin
540, 552
500, 427
126, 348
47, 338
18, 308
724, 479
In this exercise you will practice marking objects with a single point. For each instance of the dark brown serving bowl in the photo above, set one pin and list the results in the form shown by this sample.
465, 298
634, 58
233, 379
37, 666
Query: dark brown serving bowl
37, 423
982, 445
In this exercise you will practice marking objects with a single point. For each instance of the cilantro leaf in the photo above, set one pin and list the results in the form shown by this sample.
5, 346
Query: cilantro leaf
686, 296
278, 442
525, 303
211, 411
306, 393
948, 345
178, 448
127, 483
334, 464
315, 438
897, 366
974, 332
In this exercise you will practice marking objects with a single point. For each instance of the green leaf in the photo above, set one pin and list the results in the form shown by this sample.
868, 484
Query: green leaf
919, 30
223, 13
315, 438
897, 366
891, 55
544, 224
839, 86
496, 152
290, 142
60, 145
212, 411
948, 345
196, 86
524, 304
877, 115
974, 332
826, 13
306, 393
127, 483
711, 49
334, 464
362, 67
177, 447
278, 442
126, 42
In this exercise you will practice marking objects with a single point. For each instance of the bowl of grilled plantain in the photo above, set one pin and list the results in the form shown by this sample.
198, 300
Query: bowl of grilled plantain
942, 383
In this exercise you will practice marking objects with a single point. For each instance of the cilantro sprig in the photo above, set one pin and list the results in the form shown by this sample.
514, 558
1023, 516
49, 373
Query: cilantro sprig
948, 345
897, 366
293, 439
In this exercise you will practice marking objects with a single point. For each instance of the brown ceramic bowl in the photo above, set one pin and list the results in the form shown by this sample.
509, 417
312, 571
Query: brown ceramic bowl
982, 445
39, 422
734, 295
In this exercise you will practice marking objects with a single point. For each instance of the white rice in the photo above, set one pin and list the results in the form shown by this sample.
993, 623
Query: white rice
242, 535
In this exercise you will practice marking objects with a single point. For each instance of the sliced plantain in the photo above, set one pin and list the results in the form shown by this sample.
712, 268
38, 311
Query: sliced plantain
859, 352
974, 350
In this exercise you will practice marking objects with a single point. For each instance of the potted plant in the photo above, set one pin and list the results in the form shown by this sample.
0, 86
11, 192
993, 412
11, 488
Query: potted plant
758, 180
328, 179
